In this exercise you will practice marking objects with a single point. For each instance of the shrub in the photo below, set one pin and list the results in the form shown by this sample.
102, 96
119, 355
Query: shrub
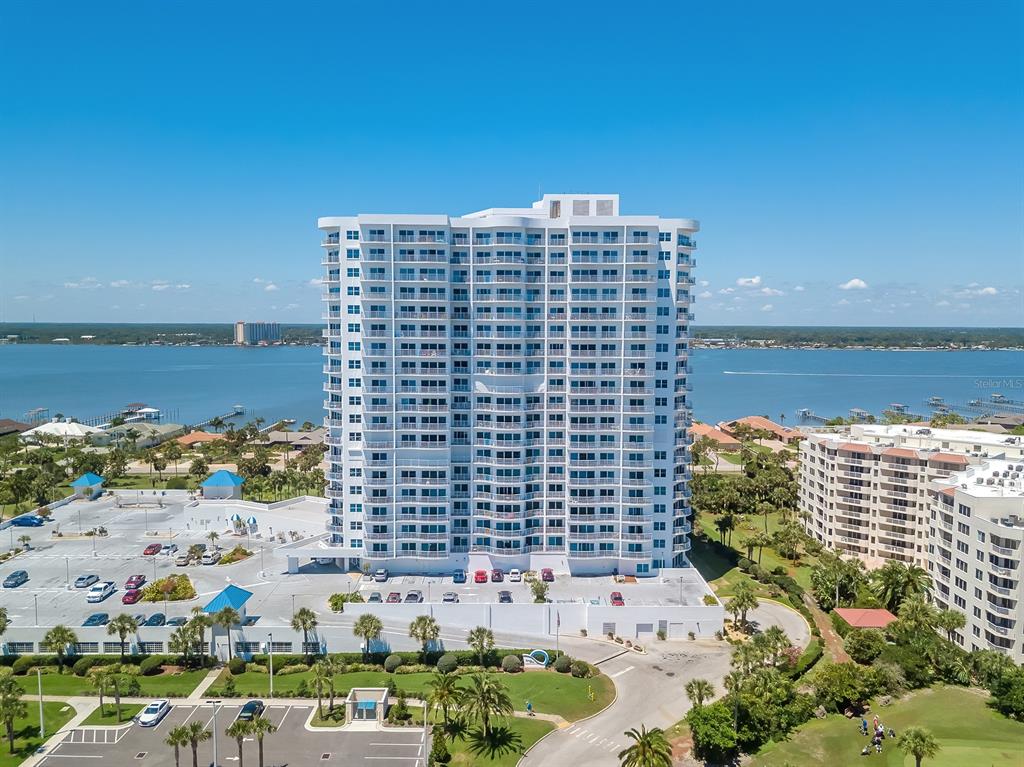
295, 668
82, 665
236, 554
581, 669
392, 663
710, 600
662, 634
177, 483
912, 662
180, 588
562, 664
151, 665
807, 659
27, 662
256, 668
302, 691
864, 645
438, 752
236, 666
841, 626
229, 687
889, 678
447, 663
399, 712
511, 664
413, 668
744, 564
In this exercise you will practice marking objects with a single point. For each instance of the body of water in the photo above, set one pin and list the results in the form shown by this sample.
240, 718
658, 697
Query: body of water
195, 383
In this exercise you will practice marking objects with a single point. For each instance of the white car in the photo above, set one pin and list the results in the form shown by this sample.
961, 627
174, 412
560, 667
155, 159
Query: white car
514, 576
100, 591
151, 715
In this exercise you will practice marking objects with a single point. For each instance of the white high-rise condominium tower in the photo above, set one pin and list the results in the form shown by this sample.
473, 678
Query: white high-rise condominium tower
509, 388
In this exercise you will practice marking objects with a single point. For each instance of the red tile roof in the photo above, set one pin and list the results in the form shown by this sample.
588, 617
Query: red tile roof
865, 618
197, 436
853, 447
948, 458
900, 452
717, 435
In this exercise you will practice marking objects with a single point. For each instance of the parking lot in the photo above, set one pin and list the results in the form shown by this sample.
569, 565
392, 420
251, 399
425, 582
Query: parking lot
292, 744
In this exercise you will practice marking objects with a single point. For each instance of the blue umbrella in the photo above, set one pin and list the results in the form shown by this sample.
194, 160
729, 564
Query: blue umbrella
236, 518
251, 520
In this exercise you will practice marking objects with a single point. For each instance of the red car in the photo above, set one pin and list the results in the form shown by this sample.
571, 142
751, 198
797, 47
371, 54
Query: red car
135, 582
480, 576
617, 600
547, 574
151, 549
497, 576
393, 598
131, 596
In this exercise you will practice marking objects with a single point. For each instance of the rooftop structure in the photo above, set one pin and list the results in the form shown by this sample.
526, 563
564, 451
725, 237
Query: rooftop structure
232, 596
197, 438
865, 618
722, 440
779, 432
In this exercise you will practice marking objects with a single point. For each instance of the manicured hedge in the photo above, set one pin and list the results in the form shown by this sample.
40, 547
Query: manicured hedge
841, 626
806, 661
392, 663
462, 657
447, 663
151, 665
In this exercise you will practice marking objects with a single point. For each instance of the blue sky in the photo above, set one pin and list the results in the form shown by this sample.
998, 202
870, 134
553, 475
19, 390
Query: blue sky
850, 164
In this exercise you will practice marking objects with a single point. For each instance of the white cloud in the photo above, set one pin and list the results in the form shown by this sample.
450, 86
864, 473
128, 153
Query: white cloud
798, 289
293, 306
767, 308
86, 283
316, 282
704, 283
844, 302
749, 282
21, 298
705, 294
942, 303
183, 286
855, 284
120, 283
258, 280
770, 292
726, 291
989, 291
271, 287
161, 286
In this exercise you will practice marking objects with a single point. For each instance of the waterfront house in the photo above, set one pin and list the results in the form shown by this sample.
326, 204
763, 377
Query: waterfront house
760, 423
723, 442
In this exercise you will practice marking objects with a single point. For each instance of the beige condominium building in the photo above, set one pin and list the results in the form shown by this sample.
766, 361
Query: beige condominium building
864, 490
975, 540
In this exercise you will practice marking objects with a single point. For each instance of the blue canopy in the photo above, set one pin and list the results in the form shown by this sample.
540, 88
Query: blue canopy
223, 478
88, 480
232, 596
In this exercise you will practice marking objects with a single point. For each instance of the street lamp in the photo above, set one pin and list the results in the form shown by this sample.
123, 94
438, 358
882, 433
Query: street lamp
67, 572
35, 601
270, 652
42, 728
215, 703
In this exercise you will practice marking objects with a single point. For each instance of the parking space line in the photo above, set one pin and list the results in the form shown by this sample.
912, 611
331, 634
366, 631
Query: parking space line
620, 673
287, 710
190, 713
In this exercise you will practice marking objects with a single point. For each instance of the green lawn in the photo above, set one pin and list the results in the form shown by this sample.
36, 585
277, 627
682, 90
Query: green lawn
524, 733
162, 685
968, 732
336, 719
26, 731
550, 692
108, 714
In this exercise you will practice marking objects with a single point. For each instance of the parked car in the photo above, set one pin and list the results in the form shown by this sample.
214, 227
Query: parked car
151, 549
85, 581
497, 576
135, 581
450, 598
156, 619
178, 620
414, 597
151, 715
140, 619
381, 575
514, 576
393, 598
251, 710
616, 599
211, 558
97, 619
375, 597
15, 579
131, 596
505, 597
183, 559
100, 591
547, 574
168, 548
459, 576
480, 576
28, 520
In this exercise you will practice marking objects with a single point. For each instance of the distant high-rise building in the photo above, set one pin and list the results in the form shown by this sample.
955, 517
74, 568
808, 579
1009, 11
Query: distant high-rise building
248, 333
510, 388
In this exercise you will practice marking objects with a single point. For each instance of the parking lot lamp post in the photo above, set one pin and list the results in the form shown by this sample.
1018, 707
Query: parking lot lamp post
154, 569
145, 512
35, 601
93, 545
67, 572
42, 727
216, 759
270, 653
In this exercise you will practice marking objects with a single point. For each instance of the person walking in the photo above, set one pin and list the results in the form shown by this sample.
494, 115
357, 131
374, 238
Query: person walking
529, 708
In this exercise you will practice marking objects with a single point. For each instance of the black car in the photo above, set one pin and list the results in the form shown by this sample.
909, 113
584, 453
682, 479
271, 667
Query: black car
251, 710
156, 619
505, 597
178, 621
459, 576
97, 619
15, 579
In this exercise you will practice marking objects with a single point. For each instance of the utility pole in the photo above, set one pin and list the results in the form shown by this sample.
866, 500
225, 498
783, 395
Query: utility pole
42, 727
270, 652
216, 759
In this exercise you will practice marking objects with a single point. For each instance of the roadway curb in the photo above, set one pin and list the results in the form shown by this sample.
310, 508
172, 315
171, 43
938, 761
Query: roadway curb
810, 628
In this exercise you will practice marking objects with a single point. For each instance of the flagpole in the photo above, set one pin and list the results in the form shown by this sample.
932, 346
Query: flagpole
558, 628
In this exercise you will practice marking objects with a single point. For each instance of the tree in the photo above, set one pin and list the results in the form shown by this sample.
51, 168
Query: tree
199, 466
443, 693
917, 618
864, 645
305, 621
259, 728
947, 620
123, 684
57, 640
12, 708
483, 698
172, 452
698, 691
839, 686
323, 676
122, 626
226, 618
650, 748
197, 733
238, 729
176, 738
894, 582
918, 743
742, 601
5, 621
212, 537
200, 621
217, 423
368, 627
540, 591
424, 629
834, 577
480, 640
117, 464
25, 541
714, 737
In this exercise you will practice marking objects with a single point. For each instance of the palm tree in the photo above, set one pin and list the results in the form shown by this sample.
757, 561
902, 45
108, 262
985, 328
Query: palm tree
485, 697
894, 582
260, 727
238, 729
917, 615
481, 639
216, 423
775, 641
323, 675
947, 620
12, 708
918, 743
200, 621
177, 738
5, 621
100, 681
226, 618
742, 601
424, 629
212, 537
25, 541
123, 684
444, 693
173, 452
698, 691
368, 627
57, 641
197, 733
305, 621
650, 748
122, 626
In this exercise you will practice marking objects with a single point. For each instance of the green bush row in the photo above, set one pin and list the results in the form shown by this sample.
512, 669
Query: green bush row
461, 657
